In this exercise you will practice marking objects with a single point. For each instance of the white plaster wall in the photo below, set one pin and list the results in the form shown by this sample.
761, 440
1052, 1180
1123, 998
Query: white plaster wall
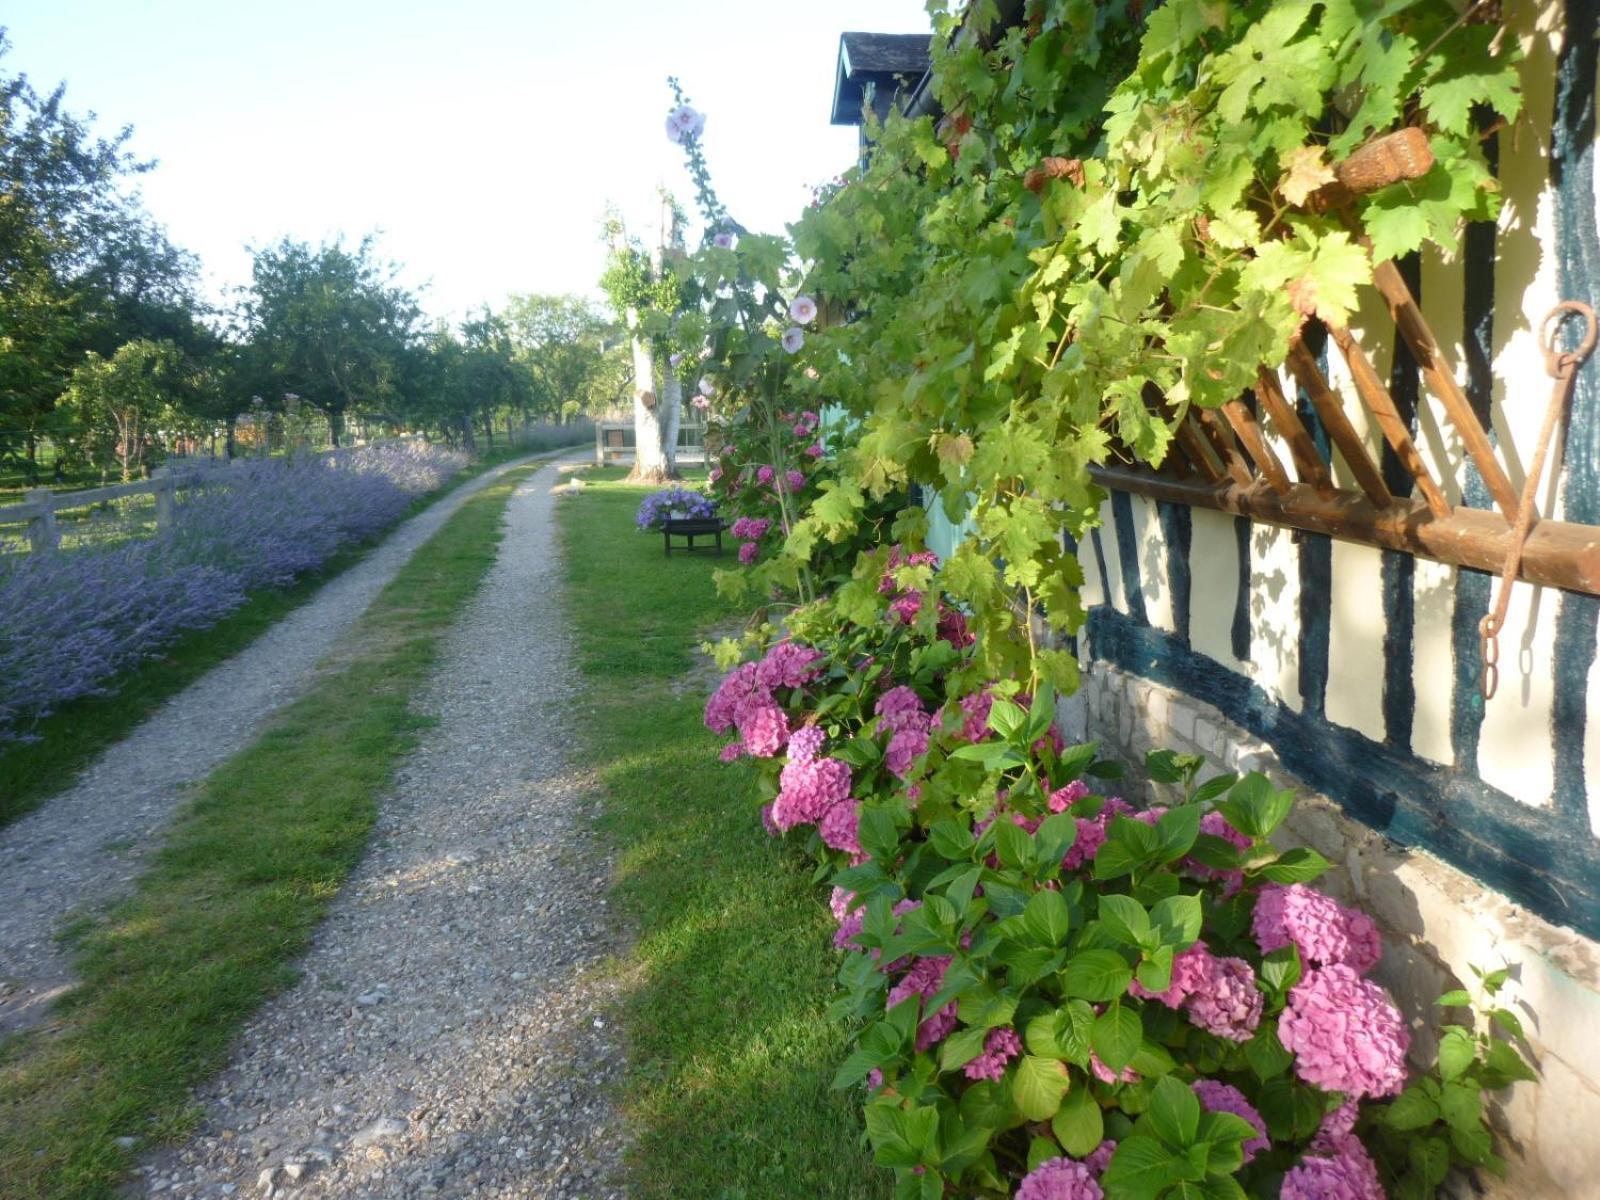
1153, 552
1433, 594
1213, 586
1355, 641
1274, 612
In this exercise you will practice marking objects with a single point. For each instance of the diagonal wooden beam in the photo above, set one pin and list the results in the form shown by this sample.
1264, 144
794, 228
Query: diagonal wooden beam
1378, 401
1302, 449
1254, 438
1222, 440
1442, 383
1340, 432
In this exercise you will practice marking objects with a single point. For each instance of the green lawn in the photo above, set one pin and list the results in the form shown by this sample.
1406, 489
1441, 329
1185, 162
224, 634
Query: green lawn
216, 922
730, 1047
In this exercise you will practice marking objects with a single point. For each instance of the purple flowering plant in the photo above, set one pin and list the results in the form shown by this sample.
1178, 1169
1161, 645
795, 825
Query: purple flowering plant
656, 508
1054, 994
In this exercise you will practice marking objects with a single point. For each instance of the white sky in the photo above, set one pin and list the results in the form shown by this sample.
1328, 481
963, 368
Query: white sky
482, 139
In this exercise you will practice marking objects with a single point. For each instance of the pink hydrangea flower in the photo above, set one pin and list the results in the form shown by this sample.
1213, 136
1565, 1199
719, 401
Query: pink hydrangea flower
840, 827
795, 480
737, 685
806, 743
803, 309
748, 552
839, 902
1325, 931
1092, 833
1106, 1075
1064, 798
764, 475
732, 751
953, 629
975, 715
750, 527
1214, 824
1217, 1096
1339, 1122
789, 664
1339, 1171
905, 608
793, 339
905, 747
901, 708
814, 450
762, 725
936, 1027
1345, 1034
999, 1048
1228, 1003
807, 789
1060, 1179
1190, 970
1100, 1157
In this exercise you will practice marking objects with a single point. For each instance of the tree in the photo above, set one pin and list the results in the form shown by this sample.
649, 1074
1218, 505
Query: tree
332, 324
120, 403
644, 292
561, 341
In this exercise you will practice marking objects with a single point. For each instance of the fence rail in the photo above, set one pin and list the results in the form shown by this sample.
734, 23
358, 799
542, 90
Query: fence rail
38, 510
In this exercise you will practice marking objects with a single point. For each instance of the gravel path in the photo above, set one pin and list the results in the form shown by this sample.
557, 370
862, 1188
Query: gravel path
85, 846
449, 1035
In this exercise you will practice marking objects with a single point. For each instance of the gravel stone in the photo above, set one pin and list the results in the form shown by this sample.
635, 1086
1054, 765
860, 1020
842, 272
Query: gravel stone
85, 846
481, 905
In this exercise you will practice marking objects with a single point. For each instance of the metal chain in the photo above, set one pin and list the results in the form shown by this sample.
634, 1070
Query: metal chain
1562, 366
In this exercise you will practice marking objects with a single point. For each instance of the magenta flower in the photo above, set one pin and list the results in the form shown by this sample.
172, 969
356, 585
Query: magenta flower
1340, 1170
840, 826
901, 708
764, 475
748, 552
1325, 931
1060, 1179
723, 240
1191, 969
762, 726
1345, 1034
803, 309
795, 480
904, 748
1100, 1157
1228, 1003
737, 685
793, 338
1064, 798
700, 402
807, 789
999, 1048
814, 450
788, 664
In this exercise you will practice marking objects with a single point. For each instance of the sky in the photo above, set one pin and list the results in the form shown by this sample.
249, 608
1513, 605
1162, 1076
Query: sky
481, 140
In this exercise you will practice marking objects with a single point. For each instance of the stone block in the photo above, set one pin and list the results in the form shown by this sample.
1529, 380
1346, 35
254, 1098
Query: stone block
1180, 719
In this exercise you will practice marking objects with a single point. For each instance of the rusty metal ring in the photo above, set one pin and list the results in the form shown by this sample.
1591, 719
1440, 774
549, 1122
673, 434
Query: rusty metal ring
1555, 360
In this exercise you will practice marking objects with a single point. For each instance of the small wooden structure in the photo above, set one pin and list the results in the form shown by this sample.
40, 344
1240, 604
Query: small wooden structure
687, 529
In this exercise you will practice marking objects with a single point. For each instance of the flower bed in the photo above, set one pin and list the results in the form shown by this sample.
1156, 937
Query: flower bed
1059, 996
70, 623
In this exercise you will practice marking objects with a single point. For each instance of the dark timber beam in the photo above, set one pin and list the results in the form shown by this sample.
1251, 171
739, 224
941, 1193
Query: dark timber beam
1557, 554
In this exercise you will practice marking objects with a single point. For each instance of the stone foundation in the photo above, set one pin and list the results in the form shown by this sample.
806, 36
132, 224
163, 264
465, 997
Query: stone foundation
1436, 923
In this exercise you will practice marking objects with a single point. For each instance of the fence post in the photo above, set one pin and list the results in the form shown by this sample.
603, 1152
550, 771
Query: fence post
162, 478
43, 536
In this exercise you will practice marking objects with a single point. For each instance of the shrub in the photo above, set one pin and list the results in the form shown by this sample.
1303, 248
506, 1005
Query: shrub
1056, 994
70, 623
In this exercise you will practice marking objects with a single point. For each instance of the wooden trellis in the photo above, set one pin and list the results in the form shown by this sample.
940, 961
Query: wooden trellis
1223, 460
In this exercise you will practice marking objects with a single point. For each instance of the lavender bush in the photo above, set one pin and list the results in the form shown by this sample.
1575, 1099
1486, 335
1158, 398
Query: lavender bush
70, 623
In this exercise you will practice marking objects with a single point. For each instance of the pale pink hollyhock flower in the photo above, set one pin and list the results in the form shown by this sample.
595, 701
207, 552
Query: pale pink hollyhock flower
687, 121
706, 387
705, 353
803, 309
674, 359
723, 241
700, 402
813, 373
674, 134
793, 339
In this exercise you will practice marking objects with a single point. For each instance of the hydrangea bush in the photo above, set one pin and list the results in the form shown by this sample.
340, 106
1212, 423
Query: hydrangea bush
1055, 993
656, 508
71, 622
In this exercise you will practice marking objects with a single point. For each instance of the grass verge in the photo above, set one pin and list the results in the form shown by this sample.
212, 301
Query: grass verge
729, 1046
249, 869
73, 736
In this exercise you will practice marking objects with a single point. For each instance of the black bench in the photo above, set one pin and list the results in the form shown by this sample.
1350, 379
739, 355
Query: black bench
689, 528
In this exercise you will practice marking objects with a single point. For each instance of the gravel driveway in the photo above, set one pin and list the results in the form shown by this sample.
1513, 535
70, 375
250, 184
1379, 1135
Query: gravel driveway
85, 846
449, 1035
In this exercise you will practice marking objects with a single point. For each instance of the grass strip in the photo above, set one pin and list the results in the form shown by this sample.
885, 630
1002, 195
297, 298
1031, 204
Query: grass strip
78, 732
251, 864
730, 1049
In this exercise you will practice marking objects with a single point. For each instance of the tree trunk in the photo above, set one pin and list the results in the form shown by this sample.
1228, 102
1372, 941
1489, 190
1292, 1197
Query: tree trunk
650, 463
488, 428
671, 414
231, 444
335, 426
468, 443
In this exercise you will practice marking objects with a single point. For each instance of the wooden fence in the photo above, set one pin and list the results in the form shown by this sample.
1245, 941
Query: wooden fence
38, 510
